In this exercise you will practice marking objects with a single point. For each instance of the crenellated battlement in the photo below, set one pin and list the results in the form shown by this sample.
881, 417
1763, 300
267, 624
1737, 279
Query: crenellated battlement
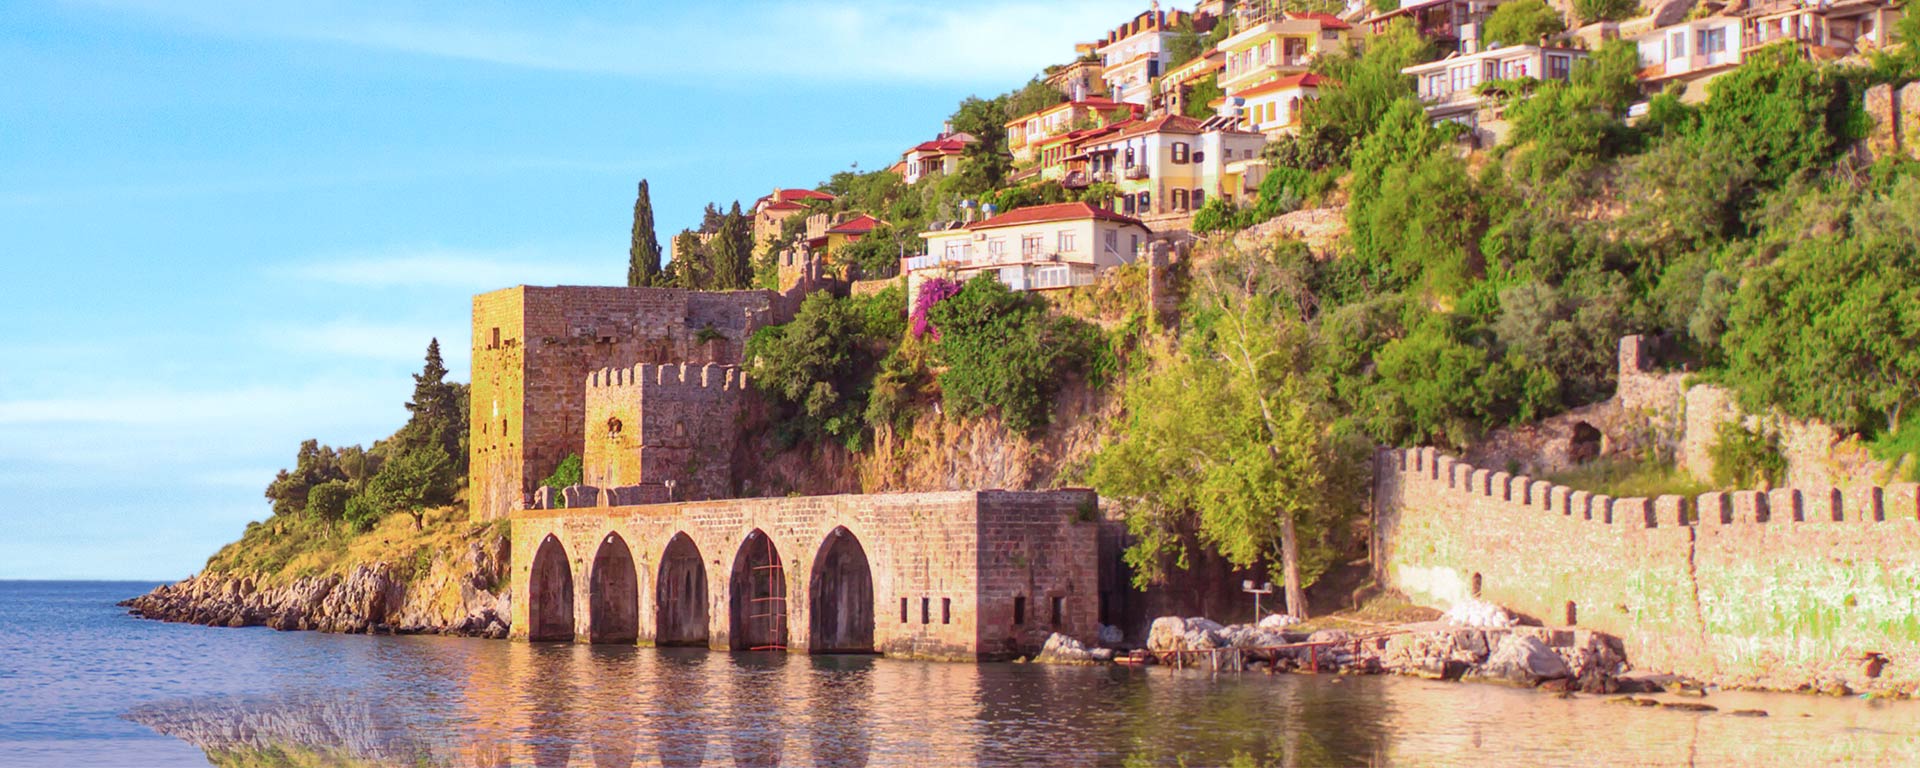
1770, 588
1435, 472
709, 377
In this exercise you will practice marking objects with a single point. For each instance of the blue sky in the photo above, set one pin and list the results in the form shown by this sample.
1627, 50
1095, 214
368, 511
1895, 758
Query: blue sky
226, 226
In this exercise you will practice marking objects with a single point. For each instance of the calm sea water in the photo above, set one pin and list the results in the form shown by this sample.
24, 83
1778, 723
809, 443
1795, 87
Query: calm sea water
82, 684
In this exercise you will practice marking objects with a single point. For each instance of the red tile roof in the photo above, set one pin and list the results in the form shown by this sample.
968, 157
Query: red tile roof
1301, 80
792, 195
858, 225
1327, 20
784, 206
1040, 214
1168, 123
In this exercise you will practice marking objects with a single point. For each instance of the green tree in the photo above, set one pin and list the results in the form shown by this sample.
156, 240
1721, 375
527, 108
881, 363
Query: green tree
438, 412
314, 464
1226, 440
1831, 328
328, 500
1365, 86
569, 472
410, 482
730, 253
815, 369
1004, 353
1523, 22
1200, 95
643, 256
691, 266
1785, 113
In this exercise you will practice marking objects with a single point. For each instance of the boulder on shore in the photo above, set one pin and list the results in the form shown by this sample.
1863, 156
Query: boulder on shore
1523, 660
1061, 649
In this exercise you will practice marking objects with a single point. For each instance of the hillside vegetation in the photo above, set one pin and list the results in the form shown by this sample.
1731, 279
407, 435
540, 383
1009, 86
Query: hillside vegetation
1473, 290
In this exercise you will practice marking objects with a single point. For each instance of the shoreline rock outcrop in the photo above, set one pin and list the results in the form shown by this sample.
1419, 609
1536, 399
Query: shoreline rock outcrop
464, 595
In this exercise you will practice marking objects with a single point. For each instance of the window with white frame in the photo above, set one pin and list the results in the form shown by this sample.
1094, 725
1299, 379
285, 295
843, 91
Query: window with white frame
1436, 85
1462, 78
1066, 241
1113, 240
1032, 245
997, 247
1181, 151
1712, 41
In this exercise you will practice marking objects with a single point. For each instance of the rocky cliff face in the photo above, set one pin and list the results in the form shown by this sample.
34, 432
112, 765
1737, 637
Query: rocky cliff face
460, 593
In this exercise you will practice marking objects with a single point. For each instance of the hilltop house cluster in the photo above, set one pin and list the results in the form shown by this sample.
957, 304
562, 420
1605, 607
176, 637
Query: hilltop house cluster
1126, 119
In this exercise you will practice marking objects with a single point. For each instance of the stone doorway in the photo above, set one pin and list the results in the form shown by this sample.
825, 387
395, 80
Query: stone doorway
840, 597
613, 594
680, 596
550, 605
758, 604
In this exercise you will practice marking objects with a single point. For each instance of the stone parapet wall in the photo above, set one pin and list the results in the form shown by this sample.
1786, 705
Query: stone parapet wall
1774, 589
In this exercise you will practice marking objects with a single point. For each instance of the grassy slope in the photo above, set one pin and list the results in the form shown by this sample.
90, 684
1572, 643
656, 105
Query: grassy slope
281, 550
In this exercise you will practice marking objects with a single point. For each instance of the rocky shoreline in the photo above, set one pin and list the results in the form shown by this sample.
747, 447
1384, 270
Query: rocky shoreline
464, 596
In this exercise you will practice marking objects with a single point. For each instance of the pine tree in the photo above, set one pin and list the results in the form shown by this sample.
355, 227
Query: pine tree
643, 257
438, 408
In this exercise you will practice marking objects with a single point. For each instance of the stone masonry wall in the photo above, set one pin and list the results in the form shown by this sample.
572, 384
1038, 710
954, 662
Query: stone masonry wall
956, 561
654, 424
533, 347
1774, 589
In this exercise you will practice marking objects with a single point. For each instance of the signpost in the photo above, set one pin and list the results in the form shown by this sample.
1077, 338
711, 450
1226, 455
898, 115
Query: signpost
1265, 588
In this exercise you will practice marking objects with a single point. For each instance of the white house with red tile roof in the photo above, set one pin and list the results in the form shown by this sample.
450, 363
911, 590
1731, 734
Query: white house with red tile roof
1033, 248
939, 156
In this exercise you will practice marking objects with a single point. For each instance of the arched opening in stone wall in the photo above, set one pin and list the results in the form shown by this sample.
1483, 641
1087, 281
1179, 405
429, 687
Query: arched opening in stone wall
758, 604
1585, 444
1476, 585
840, 597
613, 594
1573, 614
550, 594
680, 596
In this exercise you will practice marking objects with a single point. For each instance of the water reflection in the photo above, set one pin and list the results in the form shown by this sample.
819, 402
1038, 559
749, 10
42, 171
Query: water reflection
430, 701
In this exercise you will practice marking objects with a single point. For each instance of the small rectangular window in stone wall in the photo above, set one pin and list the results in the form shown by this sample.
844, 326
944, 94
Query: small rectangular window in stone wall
903, 610
946, 610
926, 610
1020, 610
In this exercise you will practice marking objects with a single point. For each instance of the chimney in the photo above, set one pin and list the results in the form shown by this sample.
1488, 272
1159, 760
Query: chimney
946, 129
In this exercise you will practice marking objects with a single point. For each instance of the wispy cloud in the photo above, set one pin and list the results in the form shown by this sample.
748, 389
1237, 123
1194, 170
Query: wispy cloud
795, 39
464, 269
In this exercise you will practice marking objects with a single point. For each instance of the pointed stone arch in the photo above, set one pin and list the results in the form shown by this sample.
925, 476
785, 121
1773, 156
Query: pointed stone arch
757, 602
550, 600
613, 594
840, 597
680, 595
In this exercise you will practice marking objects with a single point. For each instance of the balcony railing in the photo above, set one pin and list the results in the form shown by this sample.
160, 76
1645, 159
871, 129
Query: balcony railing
1137, 172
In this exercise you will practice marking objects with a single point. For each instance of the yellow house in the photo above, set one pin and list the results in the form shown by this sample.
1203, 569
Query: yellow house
1267, 45
1026, 132
1034, 248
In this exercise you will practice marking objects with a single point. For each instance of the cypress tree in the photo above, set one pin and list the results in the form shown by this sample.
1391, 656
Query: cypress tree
643, 258
730, 255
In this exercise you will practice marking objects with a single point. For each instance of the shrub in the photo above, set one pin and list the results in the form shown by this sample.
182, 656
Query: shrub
1745, 458
932, 292
567, 473
1591, 11
1004, 353
1523, 22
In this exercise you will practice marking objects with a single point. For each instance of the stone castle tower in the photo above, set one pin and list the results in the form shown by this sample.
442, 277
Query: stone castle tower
536, 351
